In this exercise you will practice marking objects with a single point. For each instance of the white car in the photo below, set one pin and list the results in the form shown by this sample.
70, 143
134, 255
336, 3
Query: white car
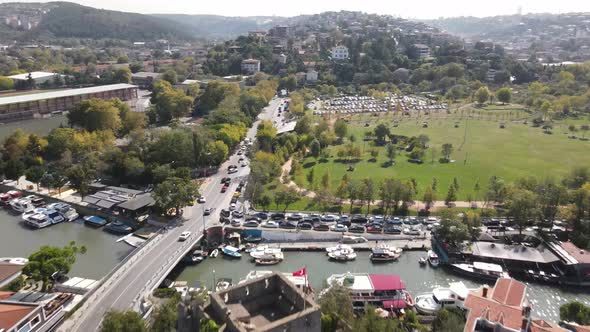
201, 200
339, 228
184, 236
271, 224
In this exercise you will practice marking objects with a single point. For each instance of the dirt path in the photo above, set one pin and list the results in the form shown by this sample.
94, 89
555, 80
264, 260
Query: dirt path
286, 169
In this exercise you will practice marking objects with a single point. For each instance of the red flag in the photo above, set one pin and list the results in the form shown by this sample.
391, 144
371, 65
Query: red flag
300, 273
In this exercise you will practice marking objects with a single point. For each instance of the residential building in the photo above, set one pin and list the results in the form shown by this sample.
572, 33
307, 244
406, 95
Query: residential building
491, 75
340, 53
250, 66
267, 303
282, 58
25, 106
144, 79
311, 76
279, 32
20, 316
423, 51
39, 77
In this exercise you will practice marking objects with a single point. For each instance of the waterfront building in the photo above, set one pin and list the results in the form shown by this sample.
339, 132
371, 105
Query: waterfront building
9, 272
250, 66
268, 303
25, 106
32, 316
129, 203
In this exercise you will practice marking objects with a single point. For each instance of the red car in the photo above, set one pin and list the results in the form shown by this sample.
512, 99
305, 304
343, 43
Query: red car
321, 227
224, 189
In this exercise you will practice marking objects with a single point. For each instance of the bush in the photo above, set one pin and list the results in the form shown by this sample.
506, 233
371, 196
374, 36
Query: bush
164, 292
15, 285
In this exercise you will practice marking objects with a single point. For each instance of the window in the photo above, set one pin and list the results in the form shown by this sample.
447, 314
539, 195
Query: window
35, 321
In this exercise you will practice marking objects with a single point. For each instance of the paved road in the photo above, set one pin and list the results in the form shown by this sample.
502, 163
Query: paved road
139, 275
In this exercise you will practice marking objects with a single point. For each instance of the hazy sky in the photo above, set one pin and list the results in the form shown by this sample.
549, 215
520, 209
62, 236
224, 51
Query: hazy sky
405, 8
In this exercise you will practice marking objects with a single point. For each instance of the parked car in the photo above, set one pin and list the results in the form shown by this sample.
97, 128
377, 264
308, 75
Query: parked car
225, 212
270, 224
329, 218
261, 215
339, 228
321, 227
224, 189
288, 224
237, 222
276, 216
305, 225
374, 228
184, 236
250, 223
344, 220
201, 200
226, 180
237, 214
392, 230
358, 219
207, 211
356, 229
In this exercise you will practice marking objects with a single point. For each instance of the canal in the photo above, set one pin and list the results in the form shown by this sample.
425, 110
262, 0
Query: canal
39, 127
545, 300
103, 252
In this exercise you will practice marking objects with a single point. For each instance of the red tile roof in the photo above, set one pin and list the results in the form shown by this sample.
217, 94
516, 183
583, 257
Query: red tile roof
5, 295
539, 325
10, 314
503, 305
580, 255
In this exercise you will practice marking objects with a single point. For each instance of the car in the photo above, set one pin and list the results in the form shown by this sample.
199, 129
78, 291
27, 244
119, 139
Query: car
241, 159
207, 211
356, 229
237, 214
184, 236
232, 206
295, 217
230, 167
329, 218
287, 225
234, 200
244, 164
377, 219
261, 215
201, 200
270, 224
392, 230
321, 227
225, 212
276, 216
339, 228
237, 222
226, 180
240, 152
415, 161
233, 170
374, 228
250, 223
224, 220
358, 219
344, 220
305, 225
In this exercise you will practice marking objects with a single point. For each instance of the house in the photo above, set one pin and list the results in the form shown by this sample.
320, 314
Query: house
20, 316
282, 58
339, 53
491, 75
144, 79
250, 66
311, 76
423, 51
39, 77
268, 303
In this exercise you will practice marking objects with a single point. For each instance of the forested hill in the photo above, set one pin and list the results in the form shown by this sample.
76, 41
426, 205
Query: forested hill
223, 27
69, 20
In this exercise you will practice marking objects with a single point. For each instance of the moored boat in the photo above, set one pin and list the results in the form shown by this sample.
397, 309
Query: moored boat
442, 298
20, 205
342, 255
38, 220
267, 261
480, 270
232, 252
264, 251
383, 255
34, 211
117, 227
94, 221
214, 253
299, 279
422, 261
223, 284
54, 216
337, 247
66, 210
433, 258
36, 200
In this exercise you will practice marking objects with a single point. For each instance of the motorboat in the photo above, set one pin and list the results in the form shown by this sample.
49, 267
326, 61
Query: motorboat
343, 255
214, 253
422, 261
433, 258
223, 284
337, 247
54, 216
232, 252
442, 298
383, 255
385, 291
94, 221
31, 212
38, 220
264, 251
252, 239
480, 270
117, 227
20, 205
36, 200
15, 260
267, 261
66, 210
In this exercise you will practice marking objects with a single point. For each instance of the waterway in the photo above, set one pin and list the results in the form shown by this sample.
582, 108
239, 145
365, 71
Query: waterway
545, 300
103, 252
39, 127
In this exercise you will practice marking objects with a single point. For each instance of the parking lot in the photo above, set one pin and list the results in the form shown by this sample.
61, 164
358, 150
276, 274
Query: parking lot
366, 104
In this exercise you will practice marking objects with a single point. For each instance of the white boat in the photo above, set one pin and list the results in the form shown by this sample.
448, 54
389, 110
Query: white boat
343, 255
393, 249
66, 210
20, 205
262, 251
422, 261
442, 298
383, 255
54, 216
14, 260
480, 270
337, 247
223, 284
38, 220
433, 258
34, 211
214, 253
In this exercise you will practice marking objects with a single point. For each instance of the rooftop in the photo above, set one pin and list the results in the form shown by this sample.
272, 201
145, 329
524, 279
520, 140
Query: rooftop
580, 255
251, 61
145, 74
8, 270
540, 254
62, 93
12, 313
34, 75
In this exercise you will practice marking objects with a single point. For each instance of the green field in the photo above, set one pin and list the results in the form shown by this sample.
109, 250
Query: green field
481, 149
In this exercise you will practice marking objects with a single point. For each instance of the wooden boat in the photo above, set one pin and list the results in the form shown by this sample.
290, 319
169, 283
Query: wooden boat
267, 261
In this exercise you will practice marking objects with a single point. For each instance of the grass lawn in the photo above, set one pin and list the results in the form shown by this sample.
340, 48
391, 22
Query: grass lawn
481, 149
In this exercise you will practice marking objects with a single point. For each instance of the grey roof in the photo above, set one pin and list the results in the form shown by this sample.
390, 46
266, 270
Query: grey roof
540, 254
63, 93
145, 74
138, 202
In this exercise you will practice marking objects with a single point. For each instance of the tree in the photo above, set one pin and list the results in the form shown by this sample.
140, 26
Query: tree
391, 152
170, 76
95, 114
337, 304
80, 177
311, 177
48, 260
166, 316
122, 75
175, 193
217, 152
575, 312
584, 128
451, 195
447, 149
448, 321
429, 197
35, 174
264, 201
521, 205
123, 321
315, 148
368, 192
482, 94
208, 325
546, 109
266, 135
286, 196
341, 129
504, 95
381, 132
6, 83
326, 181
14, 169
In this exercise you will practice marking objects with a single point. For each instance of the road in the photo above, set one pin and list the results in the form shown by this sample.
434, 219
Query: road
140, 274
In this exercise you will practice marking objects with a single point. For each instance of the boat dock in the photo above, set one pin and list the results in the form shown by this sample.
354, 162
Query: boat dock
406, 245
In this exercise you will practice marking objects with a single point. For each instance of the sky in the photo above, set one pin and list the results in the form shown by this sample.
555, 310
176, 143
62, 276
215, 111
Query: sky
424, 9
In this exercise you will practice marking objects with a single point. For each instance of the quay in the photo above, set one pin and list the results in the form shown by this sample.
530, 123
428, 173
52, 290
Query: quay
406, 245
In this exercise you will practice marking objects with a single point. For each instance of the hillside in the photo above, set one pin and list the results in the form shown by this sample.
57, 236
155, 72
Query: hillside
223, 27
69, 20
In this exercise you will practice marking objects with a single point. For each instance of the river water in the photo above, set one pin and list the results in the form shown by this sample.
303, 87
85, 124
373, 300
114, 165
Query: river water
545, 300
103, 253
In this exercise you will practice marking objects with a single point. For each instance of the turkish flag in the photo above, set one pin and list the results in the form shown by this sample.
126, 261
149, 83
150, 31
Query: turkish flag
300, 273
